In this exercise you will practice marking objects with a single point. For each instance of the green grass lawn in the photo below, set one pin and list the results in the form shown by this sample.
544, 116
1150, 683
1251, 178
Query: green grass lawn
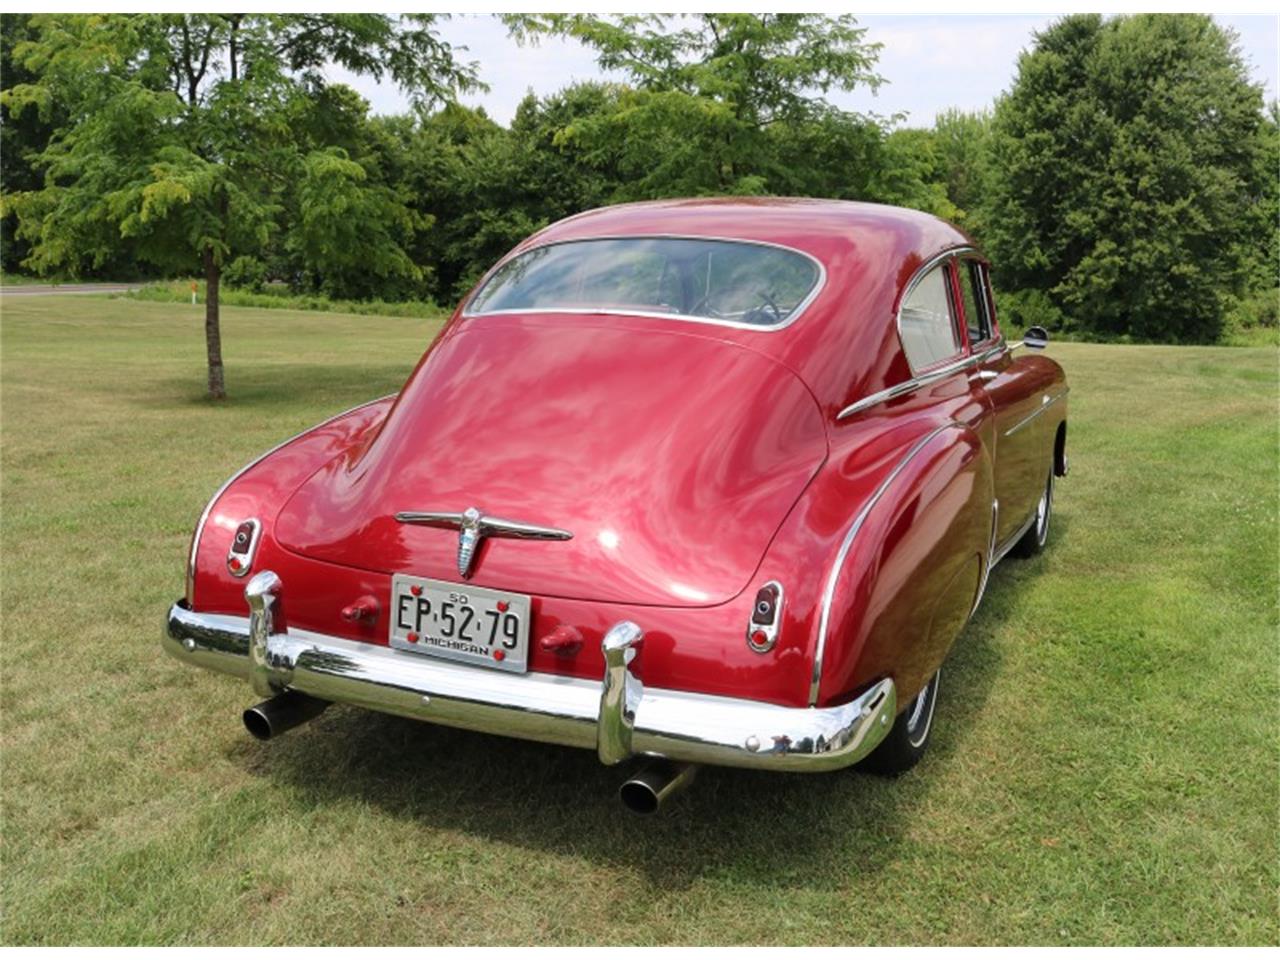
1105, 768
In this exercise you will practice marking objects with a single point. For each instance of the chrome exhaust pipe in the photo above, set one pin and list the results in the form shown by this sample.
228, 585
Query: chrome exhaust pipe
282, 712
655, 784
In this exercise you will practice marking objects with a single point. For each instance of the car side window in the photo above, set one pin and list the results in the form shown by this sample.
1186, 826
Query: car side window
927, 321
973, 290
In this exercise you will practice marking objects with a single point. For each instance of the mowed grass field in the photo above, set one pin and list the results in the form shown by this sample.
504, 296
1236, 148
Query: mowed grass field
1105, 768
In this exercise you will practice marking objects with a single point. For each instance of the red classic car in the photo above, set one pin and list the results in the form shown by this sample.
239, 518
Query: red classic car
700, 481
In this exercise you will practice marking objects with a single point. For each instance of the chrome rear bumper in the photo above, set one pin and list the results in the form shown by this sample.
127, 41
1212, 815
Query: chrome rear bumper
617, 717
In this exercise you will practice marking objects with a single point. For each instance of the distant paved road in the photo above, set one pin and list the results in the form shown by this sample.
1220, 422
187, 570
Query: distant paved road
61, 289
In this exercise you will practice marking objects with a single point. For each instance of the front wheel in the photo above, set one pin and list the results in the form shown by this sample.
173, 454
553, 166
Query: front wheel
909, 738
1037, 534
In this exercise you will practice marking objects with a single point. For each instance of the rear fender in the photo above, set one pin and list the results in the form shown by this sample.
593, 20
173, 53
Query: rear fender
257, 491
909, 570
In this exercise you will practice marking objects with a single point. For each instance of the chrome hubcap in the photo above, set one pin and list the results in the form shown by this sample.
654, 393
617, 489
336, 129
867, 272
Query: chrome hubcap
917, 710
1042, 512
921, 713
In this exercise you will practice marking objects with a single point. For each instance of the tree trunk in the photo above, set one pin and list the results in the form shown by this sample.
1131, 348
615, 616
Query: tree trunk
212, 331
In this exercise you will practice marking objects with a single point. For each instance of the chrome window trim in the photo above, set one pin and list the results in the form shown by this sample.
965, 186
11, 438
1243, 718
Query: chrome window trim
828, 593
208, 507
921, 272
923, 380
993, 335
818, 286
988, 296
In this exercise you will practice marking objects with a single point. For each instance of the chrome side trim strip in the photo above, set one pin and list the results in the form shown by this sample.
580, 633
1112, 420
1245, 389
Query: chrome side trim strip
915, 383
683, 726
208, 507
989, 560
828, 594
1045, 403
791, 318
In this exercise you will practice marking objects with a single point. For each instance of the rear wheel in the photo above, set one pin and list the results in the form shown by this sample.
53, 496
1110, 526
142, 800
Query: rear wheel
1037, 534
909, 738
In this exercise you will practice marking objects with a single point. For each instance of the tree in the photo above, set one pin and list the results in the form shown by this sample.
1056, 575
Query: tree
464, 172
962, 146
485, 188
1127, 187
178, 139
20, 137
707, 89
1265, 270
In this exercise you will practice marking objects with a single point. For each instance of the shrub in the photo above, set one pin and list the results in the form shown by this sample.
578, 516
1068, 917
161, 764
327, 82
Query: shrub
1018, 310
1253, 320
245, 273
179, 291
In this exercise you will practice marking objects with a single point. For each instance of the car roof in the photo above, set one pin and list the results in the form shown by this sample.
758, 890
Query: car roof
816, 226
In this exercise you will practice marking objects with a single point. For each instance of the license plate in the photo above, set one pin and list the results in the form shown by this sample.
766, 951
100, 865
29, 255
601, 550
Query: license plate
489, 628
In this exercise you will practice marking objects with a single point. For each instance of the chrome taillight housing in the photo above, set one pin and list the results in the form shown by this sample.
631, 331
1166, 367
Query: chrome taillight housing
766, 618
243, 545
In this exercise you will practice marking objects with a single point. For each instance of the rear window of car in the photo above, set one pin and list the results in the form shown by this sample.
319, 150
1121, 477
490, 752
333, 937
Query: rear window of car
720, 281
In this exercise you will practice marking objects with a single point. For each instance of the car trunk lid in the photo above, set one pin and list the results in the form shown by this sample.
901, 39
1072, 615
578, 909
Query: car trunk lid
671, 456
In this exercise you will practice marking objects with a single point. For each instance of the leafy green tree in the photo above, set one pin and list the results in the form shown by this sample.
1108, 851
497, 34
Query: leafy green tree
349, 222
564, 180
1127, 176
1265, 270
484, 188
20, 137
909, 174
463, 172
707, 89
962, 150
833, 153
178, 140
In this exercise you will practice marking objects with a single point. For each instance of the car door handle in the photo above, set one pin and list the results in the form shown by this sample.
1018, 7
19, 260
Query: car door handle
984, 375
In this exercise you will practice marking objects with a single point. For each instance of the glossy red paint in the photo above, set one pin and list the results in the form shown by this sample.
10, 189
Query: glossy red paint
657, 451
692, 462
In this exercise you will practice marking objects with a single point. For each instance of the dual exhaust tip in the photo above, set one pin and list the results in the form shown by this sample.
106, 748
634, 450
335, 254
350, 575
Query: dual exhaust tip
270, 718
644, 793
648, 790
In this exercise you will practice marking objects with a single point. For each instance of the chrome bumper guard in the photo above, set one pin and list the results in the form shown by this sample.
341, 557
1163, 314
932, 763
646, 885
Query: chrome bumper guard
617, 717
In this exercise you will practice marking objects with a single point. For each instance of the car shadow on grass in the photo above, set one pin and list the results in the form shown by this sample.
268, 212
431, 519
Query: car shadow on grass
792, 830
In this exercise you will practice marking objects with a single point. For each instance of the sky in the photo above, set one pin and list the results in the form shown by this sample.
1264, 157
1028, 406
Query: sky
930, 63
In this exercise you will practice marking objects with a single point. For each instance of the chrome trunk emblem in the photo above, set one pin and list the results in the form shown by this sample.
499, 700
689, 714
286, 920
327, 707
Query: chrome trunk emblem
473, 526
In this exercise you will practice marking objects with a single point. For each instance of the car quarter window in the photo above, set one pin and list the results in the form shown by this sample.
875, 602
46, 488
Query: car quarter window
973, 290
927, 321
